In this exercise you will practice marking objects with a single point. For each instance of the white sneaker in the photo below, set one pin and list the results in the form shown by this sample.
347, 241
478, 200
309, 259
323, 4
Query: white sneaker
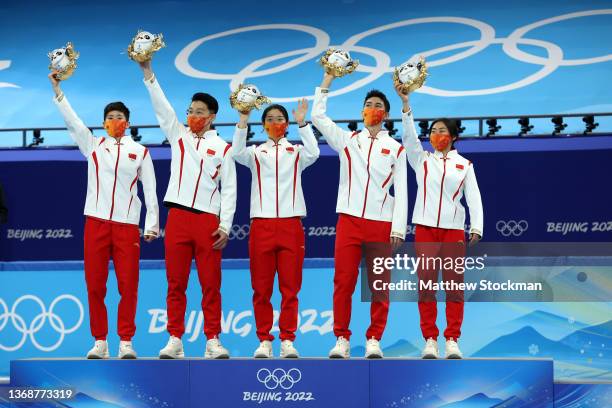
174, 349
373, 349
288, 350
342, 349
99, 350
126, 351
215, 350
431, 349
264, 350
452, 350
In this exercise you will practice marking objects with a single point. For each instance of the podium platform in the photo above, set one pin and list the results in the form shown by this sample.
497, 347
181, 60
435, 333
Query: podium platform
354, 383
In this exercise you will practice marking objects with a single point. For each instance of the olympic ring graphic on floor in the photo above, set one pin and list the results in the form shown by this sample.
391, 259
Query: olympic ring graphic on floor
515, 228
239, 232
549, 64
279, 378
37, 323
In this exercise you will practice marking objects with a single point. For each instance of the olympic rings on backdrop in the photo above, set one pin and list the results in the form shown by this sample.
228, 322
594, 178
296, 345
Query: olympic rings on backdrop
383, 65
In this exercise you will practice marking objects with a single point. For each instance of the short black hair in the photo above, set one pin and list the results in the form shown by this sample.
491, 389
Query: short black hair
209, 100
451, 125
378, 94
281, 108
117, 106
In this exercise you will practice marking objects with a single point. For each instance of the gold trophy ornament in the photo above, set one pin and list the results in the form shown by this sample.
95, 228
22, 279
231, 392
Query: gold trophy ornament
338, 62
411, 75
63, 60
144, 45
247, 97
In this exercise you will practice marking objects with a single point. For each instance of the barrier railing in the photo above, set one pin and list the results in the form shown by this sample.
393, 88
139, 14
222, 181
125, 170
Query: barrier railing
482, 127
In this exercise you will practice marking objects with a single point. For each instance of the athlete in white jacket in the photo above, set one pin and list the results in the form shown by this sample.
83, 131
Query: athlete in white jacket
201, 196
370, 163
443, 178
276, 238
112, 209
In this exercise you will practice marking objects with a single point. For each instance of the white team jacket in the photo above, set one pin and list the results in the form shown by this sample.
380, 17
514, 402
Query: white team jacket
276, 173
202, 170
442, 182
112, 171
369, 166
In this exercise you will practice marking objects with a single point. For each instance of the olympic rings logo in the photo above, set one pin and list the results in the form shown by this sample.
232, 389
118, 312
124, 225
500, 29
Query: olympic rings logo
4, 64
279, 378
550, 63
239, 232
37, 322
512, 228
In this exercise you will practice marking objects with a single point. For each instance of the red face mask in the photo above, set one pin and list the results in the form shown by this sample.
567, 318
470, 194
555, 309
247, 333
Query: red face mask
276, 130
197, 123
372, 116
115, 127
440, 141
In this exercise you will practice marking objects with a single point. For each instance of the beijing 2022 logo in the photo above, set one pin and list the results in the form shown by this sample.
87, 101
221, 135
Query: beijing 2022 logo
279, 383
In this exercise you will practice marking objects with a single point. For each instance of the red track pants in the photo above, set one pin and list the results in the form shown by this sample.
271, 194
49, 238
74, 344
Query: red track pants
121, 242
425, 239
276, 244
189, 235
351, 233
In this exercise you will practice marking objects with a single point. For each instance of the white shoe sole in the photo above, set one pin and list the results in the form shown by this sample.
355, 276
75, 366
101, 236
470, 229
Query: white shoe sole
290, 355
167, 356
210, 356
339, 356
261, 355
127, 356
98, 357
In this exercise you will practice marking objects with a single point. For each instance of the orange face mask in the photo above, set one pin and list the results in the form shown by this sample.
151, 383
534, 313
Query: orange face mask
372, 116
440, 141
115, 127
276, 129
197, 123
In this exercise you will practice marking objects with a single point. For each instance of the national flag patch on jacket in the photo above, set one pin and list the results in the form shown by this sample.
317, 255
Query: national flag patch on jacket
132, 156
210, 152
385, 151
459, 166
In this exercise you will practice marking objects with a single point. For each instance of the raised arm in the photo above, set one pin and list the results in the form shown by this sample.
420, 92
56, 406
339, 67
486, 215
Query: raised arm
242, 153
146, 174
400, 204
410, 139
335, 136
166, 116
310, 146
228, 192
76, 128
474, 202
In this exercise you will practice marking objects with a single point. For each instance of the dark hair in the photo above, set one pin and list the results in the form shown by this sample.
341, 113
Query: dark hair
117, 106
281, 108
209, 100
451, 125
378, 94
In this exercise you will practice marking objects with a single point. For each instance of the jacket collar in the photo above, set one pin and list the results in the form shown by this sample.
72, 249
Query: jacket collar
452, 154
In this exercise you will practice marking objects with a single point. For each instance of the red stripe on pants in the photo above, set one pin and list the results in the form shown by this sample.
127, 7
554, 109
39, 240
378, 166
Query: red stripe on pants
189, 235
121, 242
425, 239
351, 233
276, 244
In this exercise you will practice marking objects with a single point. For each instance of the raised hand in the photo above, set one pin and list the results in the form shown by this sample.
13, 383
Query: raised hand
55, 83
299, 115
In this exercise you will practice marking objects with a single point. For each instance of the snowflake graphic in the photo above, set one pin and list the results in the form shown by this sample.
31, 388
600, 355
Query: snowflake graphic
571, 320
534, 349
